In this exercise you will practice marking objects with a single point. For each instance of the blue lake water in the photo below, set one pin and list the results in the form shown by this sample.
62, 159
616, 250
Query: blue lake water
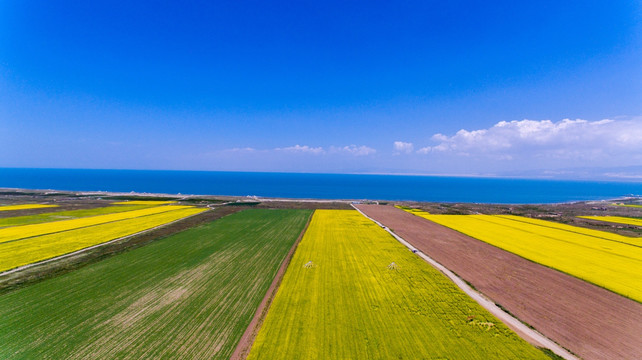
319, 186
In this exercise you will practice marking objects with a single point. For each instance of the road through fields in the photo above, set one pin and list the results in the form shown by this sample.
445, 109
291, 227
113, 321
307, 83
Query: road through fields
592, 322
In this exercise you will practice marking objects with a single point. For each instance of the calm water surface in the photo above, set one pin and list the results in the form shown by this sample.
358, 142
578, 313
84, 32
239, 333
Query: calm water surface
319, 186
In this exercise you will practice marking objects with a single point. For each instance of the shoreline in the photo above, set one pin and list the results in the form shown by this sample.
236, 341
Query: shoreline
248, 198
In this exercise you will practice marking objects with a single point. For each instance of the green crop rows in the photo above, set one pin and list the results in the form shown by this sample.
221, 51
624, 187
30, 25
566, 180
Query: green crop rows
190, 295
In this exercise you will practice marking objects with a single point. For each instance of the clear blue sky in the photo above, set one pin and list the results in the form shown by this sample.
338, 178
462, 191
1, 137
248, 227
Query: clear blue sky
321, 86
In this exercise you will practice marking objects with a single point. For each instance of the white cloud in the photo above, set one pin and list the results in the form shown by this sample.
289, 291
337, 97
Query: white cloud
354, 150
302, 149
424, 150
402, 147
565, 139
241, 150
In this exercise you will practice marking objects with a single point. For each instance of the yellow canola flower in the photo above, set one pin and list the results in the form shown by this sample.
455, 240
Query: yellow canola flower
629, 205
25, 207
577, 229
18, 253
352, 291
410, 210
607, 260
26, 231
144, 202
616, 219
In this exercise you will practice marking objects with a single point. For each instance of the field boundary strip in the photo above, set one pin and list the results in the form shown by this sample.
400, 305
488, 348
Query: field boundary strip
247, 340
60, 257
530, 335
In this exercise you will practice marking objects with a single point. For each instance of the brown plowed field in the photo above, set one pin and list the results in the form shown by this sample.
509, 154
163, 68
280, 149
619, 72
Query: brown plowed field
591, 322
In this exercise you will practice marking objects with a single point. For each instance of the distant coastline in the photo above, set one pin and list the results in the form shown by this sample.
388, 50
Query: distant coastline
320, 186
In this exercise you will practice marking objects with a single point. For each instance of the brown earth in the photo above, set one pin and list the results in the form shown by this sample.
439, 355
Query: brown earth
590, 321
245, 344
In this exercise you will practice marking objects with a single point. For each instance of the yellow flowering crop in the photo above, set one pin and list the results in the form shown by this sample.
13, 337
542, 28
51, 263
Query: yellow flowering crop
576, 229
629, 205
20, 232
25, 206
144, 202
26, 251
616, 219
410, 210
607, 260
353, 292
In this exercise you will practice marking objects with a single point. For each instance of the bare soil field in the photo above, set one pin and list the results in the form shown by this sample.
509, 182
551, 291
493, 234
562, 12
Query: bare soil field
592, 322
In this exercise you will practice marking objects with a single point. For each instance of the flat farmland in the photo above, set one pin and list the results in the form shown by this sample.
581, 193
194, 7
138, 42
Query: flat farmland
25, 207
617, 220
591, 321
144, 202
23, 245
68, 215
614, 265
603, 235
25, 231
189, 295
353, 292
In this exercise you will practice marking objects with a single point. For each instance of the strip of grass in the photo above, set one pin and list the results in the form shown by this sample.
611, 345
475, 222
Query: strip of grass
353, 292
68, 215
190, 295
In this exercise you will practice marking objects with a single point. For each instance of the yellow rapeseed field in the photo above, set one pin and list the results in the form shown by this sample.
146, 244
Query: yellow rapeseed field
629, 205
22, 252
616, 219
576, 229
144, 202
25, 206
20, 232
607, 260
353, 292
410, 210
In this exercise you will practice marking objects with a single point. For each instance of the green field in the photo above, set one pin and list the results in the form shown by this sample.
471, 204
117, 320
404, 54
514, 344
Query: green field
33, 249
69, 214
190, 295
353, 292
